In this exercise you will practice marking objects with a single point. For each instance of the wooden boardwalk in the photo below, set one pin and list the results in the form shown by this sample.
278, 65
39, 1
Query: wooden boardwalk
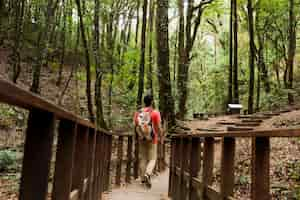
136, 191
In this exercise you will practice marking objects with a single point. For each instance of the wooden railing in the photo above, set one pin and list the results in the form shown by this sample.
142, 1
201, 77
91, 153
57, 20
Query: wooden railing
192, 162
83, 152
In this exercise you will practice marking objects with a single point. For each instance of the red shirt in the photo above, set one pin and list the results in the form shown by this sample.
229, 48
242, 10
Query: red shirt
155, 118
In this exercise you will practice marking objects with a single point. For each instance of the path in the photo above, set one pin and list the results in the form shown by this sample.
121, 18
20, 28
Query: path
136, 191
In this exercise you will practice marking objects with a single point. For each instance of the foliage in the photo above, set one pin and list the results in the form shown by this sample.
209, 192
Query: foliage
8, 160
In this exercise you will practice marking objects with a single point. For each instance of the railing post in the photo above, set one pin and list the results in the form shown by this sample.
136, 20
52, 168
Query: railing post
185, 166
260, 187
119, 161
179, 166
227, 167
129, 159
64, 160
195, 167
97, 167
136, 157
37, 155
108, 158
91, 163
80, 161
208, 163
172, 168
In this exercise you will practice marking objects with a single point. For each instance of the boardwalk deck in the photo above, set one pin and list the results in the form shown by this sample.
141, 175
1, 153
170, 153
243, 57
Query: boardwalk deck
136, 191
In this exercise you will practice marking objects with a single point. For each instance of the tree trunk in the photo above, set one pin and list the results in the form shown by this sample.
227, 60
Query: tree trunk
230, 55
251, 57
235, 54
258, 90
291, 50
150, 68
142, 61
98, 84
43, 43
137, 21
18, 35
63, 44
88, 66
166, 102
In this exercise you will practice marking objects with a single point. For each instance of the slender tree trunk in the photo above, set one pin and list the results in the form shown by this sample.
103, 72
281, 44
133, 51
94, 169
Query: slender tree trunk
258, 90
137, 21
99, 74
150, 69
230, 55
142, 61
166, 102
43, 43
291, 49
18, 35
63, 44
251, 57
235, 54
88, 66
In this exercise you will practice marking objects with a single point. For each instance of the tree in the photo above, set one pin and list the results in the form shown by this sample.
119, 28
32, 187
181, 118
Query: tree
230, 54
251, 57
166, 102
235, 54
99, 72
291, 49
142, 54
186, 39
87, 59
150, 36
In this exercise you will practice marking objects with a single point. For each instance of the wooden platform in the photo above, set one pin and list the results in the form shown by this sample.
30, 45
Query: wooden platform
136, 191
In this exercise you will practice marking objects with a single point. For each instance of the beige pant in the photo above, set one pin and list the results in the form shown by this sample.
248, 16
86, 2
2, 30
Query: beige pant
148, 156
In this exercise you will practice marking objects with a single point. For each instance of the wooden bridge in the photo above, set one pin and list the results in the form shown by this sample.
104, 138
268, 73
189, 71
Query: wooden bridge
90, 162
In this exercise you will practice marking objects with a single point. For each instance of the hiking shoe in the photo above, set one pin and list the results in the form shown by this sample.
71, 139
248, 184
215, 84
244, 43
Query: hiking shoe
147, 179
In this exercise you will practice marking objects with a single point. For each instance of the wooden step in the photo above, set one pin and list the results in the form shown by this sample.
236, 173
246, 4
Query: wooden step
252, 121
271, 114
208, 130
226, 123
249, 124
234, 128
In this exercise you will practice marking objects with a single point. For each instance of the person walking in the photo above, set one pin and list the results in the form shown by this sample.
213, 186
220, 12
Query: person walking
149, 132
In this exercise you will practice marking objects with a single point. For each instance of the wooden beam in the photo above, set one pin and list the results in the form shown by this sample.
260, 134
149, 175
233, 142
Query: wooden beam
37, 155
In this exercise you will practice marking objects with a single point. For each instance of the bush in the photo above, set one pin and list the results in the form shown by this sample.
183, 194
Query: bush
8, 160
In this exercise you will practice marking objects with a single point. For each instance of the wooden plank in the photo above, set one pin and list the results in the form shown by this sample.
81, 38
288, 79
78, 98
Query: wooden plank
195, 167
136, 157
108, 163
79, 169
208, 163
186, 153
37, 155
64, 160
74, 195
129, 159
178, 153
90, 163
16, 96
172, 171
227, 166
247, 124
97, 180
119, 164
260, 189
287, 132
235, 128
252, 121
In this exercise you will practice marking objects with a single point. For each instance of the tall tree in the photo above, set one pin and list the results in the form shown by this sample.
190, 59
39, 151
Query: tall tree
251, 57
235, 54
99, 72
142, 60
291, 49
230, 54
187, 36
166, 102
87, 65
43, 43
18, 35
150, 36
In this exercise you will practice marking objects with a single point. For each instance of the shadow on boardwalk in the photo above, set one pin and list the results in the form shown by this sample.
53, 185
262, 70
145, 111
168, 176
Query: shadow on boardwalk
136, 191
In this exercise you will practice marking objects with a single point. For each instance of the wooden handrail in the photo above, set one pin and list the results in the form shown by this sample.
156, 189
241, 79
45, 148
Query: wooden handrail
203, 148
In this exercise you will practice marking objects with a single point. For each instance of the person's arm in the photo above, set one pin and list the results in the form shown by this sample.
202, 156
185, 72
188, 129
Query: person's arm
158, 127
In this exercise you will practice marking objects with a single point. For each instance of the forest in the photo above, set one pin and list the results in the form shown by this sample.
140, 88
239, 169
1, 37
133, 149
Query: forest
99, 58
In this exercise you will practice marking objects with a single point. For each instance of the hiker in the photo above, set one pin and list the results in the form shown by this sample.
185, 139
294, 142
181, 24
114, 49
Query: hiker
149, 132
